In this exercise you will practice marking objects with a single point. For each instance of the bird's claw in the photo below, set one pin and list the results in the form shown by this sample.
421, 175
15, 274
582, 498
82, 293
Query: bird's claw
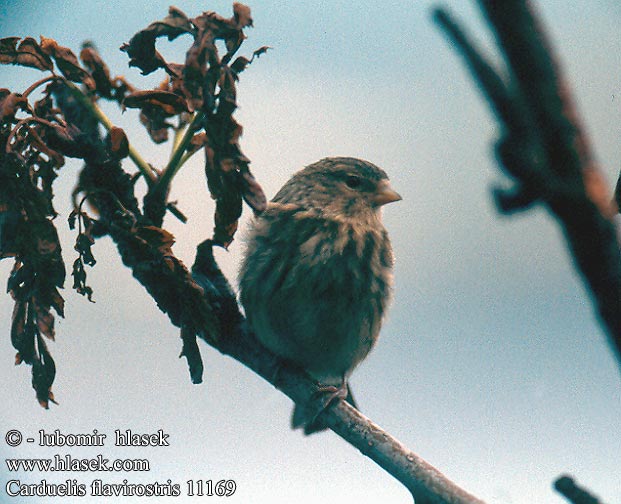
324, 397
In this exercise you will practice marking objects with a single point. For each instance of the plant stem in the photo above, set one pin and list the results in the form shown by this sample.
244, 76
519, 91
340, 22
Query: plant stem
39, 83
145, 168
177, 159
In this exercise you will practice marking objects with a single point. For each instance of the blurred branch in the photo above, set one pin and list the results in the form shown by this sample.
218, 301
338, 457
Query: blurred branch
544, 149
574, 494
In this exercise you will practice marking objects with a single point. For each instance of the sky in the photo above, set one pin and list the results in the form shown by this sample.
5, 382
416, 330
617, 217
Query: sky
491, 364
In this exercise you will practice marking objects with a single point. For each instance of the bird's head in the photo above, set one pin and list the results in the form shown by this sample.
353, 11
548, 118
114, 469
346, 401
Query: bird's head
339, 186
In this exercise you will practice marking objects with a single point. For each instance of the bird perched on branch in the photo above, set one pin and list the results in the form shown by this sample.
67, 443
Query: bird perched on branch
316, 278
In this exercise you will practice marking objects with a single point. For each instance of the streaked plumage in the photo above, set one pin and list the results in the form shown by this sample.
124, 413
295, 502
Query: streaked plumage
316, 279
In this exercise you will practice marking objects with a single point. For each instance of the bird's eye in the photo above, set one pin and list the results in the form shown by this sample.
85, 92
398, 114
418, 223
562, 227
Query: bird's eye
353, 181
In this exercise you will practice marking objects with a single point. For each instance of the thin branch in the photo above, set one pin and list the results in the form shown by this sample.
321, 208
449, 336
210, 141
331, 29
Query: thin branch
40, 82
426, 483
179, 150
145, 168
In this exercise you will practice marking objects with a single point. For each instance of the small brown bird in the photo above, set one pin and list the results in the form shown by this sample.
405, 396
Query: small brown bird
316, 278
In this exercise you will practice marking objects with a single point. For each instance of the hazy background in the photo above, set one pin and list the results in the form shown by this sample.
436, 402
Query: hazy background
491, 365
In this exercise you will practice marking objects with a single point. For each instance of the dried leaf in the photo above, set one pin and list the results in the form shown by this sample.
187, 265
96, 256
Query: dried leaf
44, 107
10, 103
169, 103
29, 53
227, 215
118, 143
57, 302
79, 279
43, 374
158, 238
252, 192
45, 320
18, 324
242, 15
67, 62
141, 47
83, 246
198, 142
98, 69
192, 353
10, 219
156, 125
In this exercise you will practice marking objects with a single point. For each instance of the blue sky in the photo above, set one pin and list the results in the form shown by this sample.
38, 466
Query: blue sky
491, 364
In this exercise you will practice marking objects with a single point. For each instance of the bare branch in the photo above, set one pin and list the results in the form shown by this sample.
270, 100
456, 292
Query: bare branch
545, 150
574, 494
426, 483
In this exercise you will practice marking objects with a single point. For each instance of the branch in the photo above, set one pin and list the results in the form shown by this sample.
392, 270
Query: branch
146, 170
426, 483
545, 150
204, 302
574, 494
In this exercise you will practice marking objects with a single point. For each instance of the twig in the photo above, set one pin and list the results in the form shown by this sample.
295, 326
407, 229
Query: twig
179, 150
146, 170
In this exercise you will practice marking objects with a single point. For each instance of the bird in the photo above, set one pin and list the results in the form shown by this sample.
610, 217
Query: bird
316, 277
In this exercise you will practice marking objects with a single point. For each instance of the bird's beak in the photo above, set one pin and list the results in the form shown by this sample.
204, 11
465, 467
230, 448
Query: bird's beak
385, 194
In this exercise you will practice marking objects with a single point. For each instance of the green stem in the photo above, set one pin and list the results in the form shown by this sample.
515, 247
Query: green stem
178, 156
179, 131
145, 168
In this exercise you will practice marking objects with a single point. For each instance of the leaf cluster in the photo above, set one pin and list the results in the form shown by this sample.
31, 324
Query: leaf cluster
196, 101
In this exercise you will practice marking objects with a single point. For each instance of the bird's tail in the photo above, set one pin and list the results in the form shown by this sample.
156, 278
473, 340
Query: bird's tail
308, 416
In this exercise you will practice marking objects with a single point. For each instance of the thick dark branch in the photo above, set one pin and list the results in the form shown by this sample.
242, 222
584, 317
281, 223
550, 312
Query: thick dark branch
546, 151
574, 494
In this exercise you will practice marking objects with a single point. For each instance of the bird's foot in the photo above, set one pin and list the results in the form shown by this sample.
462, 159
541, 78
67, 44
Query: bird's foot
309, 414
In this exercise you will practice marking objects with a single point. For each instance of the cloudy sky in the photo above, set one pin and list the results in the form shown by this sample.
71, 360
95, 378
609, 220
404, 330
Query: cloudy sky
491, 365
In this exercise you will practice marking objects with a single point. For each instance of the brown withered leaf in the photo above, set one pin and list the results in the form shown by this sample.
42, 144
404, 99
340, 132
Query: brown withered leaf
57, 302
121, 89
10, 103
169, 103
98, 69
192, 353
44, 107
67, 62
34, 140
45, 320
241, 62
157, 237
252, 192
227, 97
173, 25
18, 325
79, 280
198, 142
222, 180
10, 220
156, 125
118, 143
228, 212
141, 47
43, 374
242, 15
29, 53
